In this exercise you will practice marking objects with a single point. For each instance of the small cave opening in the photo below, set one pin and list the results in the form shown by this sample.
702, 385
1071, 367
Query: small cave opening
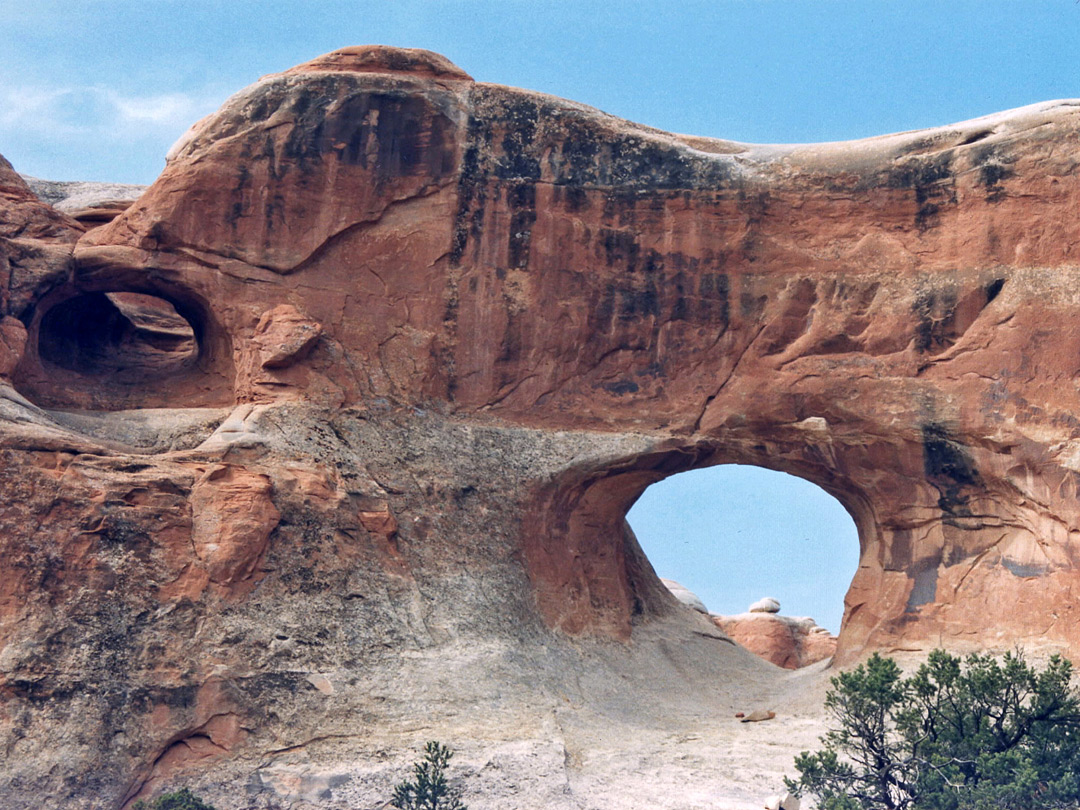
117, 348
734, 534
126, 337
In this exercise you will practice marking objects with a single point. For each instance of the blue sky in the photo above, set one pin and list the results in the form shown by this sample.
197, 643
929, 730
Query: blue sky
733, 534
99, 90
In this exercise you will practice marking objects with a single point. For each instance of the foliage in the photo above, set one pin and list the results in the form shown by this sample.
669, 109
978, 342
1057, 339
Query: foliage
977, 734
182, 799
429, 791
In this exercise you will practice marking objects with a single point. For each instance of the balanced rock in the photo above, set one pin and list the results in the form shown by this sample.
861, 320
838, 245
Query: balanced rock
765, 605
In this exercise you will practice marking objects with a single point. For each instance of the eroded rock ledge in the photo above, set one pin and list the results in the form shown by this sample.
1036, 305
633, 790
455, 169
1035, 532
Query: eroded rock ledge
447, 332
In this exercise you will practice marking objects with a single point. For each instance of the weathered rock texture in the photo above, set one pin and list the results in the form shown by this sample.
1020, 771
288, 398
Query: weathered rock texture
90, 204
460, 327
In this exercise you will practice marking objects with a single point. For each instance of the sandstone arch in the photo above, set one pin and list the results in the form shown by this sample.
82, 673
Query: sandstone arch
458, 327
587, 569
735, 535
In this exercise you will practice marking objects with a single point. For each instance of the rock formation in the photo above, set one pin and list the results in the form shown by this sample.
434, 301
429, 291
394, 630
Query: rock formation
786, 641
447, 332
685, 595
766, 604
89, 204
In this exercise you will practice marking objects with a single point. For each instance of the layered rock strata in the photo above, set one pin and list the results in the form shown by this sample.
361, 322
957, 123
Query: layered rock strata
447, 332
89, 204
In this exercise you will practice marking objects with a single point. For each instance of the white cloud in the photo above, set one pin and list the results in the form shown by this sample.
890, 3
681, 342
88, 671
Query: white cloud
163, 109
91, 131
24, 106
94, 132
98, 112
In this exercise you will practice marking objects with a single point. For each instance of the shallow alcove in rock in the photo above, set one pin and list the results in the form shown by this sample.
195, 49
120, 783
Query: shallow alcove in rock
119, 349
130, 335
733, 533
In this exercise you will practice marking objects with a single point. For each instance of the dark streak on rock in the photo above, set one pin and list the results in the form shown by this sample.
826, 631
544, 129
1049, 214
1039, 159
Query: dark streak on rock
621, 387
932, 180
924, 587
950, 469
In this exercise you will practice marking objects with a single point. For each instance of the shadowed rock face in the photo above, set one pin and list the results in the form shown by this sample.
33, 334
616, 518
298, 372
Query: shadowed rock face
452, 330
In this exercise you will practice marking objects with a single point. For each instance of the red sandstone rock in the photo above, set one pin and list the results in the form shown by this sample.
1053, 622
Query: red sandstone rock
529, 312
35, 244
384, 59
24, 216
870, 315
284, 336
12, 343
100, 213
785, 641
232, 518
380, 522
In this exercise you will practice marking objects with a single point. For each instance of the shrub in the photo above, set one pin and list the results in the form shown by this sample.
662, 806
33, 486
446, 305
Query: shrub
429, 791
958, 735
182, 799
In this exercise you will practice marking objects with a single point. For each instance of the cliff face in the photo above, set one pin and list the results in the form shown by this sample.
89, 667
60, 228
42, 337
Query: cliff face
440, 335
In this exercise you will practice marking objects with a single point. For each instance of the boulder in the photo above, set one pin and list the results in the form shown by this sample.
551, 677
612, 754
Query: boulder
758, 715
685, 595
765, 605
783, 801
284, 336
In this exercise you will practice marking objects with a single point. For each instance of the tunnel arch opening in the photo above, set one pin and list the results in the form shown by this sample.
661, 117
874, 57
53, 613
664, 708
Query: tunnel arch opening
767, 556
590, 574
123, 336
734, 533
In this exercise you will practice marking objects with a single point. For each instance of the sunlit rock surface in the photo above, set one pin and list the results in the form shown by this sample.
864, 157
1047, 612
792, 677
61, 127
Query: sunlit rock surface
447, 332
89, 204
790, 642
685, 595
